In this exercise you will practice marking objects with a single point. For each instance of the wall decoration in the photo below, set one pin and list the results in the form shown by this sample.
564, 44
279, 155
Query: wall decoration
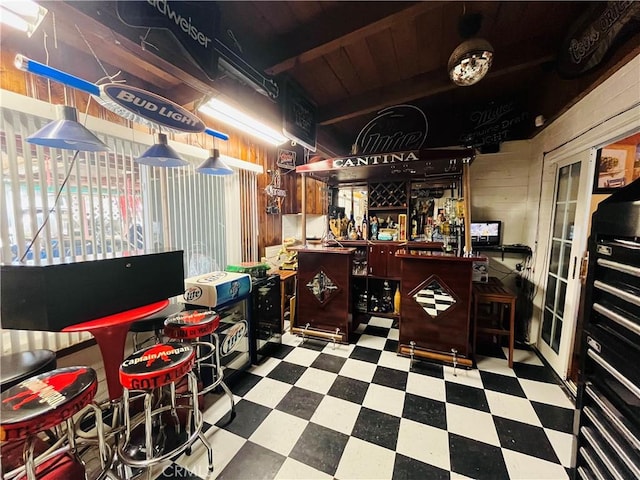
595, 34
617, 165
397, 128
299, 117
286, 159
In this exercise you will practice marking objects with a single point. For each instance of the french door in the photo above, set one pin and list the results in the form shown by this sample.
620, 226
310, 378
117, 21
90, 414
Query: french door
567, 243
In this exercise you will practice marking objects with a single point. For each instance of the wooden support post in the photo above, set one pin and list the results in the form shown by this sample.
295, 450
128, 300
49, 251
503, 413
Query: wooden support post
466, 180
304, 209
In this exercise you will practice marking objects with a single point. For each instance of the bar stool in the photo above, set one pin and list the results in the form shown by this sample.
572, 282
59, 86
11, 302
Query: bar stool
45, 402
153, 323
188, 327
494, 294
19, 366
146, 373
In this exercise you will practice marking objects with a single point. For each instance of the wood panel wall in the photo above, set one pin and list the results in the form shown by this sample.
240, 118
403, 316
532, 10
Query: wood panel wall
239, 145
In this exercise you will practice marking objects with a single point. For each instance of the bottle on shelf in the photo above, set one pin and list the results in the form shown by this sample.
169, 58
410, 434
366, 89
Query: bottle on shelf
374, 228
365, 227
396, 300
387, 300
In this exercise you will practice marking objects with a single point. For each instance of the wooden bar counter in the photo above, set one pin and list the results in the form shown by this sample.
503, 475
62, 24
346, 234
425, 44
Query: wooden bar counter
324, 293
435, 306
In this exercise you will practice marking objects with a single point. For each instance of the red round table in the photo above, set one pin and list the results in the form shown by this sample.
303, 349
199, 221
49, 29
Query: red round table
110, 333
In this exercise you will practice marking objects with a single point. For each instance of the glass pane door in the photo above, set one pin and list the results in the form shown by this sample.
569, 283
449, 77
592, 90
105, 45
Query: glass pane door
566, 243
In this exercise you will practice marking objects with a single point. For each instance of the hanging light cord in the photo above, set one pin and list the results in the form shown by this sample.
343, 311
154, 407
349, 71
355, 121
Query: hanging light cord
53, 207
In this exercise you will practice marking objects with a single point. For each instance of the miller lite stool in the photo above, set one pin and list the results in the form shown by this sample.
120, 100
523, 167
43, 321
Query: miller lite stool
153, 323
41, 403
149, 373
191, 325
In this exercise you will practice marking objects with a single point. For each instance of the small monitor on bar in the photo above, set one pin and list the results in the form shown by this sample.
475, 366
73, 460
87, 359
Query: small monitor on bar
487, 233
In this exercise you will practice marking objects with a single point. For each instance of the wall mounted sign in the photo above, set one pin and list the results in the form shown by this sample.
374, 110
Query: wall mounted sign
492, 124
286, 159
154, 108
394, 129
193, 24
367, 160
594, 33
299, 117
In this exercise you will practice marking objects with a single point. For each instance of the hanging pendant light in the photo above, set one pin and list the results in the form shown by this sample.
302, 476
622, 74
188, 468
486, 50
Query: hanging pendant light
67, 133
471, 60
214, 165
161, 155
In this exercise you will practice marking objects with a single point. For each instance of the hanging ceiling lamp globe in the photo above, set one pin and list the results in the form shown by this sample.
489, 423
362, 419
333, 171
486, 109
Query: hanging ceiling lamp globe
470, 61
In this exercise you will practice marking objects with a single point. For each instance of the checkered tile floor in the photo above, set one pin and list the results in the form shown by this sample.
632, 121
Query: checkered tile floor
360, 411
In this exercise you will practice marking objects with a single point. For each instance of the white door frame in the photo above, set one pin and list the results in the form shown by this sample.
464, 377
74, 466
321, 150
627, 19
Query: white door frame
560, 361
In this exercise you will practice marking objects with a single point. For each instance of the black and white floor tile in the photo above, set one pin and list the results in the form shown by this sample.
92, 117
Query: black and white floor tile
360, 411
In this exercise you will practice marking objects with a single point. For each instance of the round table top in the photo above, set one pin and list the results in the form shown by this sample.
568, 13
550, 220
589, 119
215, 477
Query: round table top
128, 316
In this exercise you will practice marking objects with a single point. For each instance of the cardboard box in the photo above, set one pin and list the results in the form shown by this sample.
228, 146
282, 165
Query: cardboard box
215, 288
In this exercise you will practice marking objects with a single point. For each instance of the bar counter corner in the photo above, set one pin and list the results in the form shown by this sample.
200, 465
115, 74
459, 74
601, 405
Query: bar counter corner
435, 306
324, 293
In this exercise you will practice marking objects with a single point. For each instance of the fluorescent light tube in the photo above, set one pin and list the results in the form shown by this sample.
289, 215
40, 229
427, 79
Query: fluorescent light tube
234, 117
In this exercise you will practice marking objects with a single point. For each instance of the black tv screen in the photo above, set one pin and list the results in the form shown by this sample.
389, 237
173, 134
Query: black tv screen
486, 233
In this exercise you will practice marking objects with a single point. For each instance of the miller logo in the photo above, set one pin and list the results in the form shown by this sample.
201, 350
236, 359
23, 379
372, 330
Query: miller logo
233, 337
394, 129
192, 293
214, 276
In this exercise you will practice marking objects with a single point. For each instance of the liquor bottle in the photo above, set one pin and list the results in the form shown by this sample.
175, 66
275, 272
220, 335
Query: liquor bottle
396, 301
365, 227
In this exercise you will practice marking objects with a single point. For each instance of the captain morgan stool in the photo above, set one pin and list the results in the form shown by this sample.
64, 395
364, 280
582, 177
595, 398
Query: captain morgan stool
191, 325
43, 402
148, 372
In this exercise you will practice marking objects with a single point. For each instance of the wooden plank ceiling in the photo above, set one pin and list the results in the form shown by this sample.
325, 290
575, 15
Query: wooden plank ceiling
351, 58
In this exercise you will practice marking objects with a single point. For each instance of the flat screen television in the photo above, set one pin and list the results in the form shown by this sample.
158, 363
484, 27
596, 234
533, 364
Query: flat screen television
486, 233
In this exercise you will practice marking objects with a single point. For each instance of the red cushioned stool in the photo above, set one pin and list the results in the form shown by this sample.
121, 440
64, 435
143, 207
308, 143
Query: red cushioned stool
191, 325
149, 373
45, 402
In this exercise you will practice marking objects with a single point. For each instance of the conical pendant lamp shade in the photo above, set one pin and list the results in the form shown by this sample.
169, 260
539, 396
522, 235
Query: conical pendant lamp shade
214, 165
67, 133
161, 155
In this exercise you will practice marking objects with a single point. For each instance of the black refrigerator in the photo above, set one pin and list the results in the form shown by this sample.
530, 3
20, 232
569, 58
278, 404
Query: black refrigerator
266, 328
607, 423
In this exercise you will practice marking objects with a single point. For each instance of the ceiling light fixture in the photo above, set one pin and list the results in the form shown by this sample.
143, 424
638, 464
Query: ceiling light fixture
234, 117
214, 165
67, 133
161, 155
23, 15
470, 61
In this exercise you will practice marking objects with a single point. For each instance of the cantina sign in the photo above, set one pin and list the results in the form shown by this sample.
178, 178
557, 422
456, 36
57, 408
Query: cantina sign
382, 159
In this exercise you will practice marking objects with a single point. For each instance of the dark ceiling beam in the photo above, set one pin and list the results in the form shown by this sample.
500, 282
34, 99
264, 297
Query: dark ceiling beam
339, 41
120, 51
427, 84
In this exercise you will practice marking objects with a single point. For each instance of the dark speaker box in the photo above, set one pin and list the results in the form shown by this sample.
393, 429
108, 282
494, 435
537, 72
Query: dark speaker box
52, 297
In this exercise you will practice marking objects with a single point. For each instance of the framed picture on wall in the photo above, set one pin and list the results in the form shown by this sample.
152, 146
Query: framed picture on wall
617, 165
